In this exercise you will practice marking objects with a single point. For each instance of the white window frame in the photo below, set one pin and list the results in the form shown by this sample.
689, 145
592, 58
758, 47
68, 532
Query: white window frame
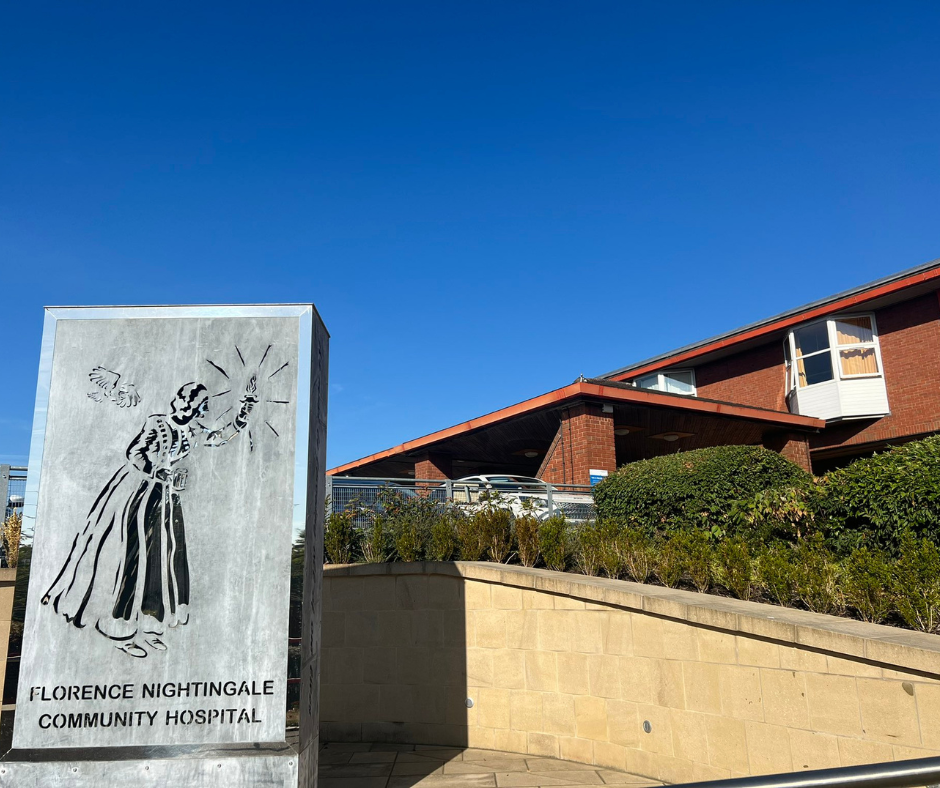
834, 351
660, 382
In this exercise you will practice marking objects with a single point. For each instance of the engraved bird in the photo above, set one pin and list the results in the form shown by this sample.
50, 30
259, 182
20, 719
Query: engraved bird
124, 395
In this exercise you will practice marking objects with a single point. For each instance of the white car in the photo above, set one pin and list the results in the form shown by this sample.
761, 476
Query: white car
513, 491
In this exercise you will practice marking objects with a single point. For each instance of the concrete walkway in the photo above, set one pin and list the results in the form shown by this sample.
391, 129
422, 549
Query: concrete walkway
417, 766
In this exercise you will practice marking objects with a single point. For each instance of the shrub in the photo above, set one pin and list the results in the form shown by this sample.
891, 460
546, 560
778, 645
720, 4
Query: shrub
10, 531
443, 541
409, 519
917, 584
553, 542
693, 489
671, 559
733, 565
890, 494
375, 540
786, 513
471, 539
817, 577
637, 554
611, 547
588, 549
775, 574
527, 539
698, 562
867, 583
495, 523
340, 536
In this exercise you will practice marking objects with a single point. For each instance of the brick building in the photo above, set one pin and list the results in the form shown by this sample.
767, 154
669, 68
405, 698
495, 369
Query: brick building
821, 384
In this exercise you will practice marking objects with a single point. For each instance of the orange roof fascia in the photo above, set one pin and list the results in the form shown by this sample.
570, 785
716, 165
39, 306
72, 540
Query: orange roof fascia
820, 311
582, 389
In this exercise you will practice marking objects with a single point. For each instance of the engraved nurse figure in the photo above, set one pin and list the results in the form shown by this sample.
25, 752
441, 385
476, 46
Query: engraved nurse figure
127, 573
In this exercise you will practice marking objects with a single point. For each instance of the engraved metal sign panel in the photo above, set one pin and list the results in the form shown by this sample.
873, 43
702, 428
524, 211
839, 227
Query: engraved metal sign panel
168, 473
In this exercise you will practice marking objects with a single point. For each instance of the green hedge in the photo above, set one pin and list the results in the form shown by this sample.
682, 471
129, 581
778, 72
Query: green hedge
693, 489
881, 498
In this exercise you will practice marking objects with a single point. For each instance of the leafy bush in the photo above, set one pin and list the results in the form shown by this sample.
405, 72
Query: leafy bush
495, 524
867, 584
890, 494
611, 548
443, 539
917, 584
637, 554
11, 530
527, 539
693, 489
734, 567
776, 575
471, 539
340, 537
671, 559
553, 542
375, 541
817, 575
784, 513
588, 541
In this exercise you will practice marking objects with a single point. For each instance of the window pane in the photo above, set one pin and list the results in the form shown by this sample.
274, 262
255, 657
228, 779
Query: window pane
649, 382
679, 382
811, 339
859, 361
853, 330
815, 369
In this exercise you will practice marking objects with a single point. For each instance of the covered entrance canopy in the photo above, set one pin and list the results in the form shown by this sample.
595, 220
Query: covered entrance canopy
590, 424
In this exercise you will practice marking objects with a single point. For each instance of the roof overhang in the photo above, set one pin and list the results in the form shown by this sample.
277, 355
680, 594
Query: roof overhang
603, 391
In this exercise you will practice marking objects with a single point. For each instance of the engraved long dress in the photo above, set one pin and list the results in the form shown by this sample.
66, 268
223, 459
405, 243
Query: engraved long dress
127, 570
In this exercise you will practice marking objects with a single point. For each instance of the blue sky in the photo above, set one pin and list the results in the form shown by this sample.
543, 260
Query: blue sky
483, 199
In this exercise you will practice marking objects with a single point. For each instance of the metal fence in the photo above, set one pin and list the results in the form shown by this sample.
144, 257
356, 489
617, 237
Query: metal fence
364, 496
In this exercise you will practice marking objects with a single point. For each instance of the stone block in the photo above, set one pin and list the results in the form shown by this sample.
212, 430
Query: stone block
558, 714
586, 635
522, 629
445, 593
801, 659
617, 631
636, 679
928, 711
851, 667
648, 636
573, 677
510, 740
362, 626
395, 628
784, 698
591, 718
623, 723
610, 756
540, 671
489, 627
813, 750
414, 665
680, 641
689, 736
477, 595
448, 667
741, 693
714, 646
411, 593
833, 704
889, 711
702, 686
855, 752
341, 665
378, 592
493, 710
659, 738
542, 744
427, 627
768, 748
574, 749
604, 675
396, 704
509, 669
536, 600
525, 710
333, 630
727, 744
507, 598
479, 667
667, 683
759, 653
556, 628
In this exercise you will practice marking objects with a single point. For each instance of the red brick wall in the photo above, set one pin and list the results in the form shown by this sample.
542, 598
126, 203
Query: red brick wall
433, 466
909, 334
585, 440
755, 377
792, 445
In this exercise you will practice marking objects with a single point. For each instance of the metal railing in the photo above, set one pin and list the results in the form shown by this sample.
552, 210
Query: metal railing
896, 774
363, 496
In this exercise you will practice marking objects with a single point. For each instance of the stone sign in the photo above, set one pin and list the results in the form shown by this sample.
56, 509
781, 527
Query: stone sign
176, 454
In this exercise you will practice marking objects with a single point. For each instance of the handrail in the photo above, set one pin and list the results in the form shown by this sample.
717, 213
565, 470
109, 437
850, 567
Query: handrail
896, 774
